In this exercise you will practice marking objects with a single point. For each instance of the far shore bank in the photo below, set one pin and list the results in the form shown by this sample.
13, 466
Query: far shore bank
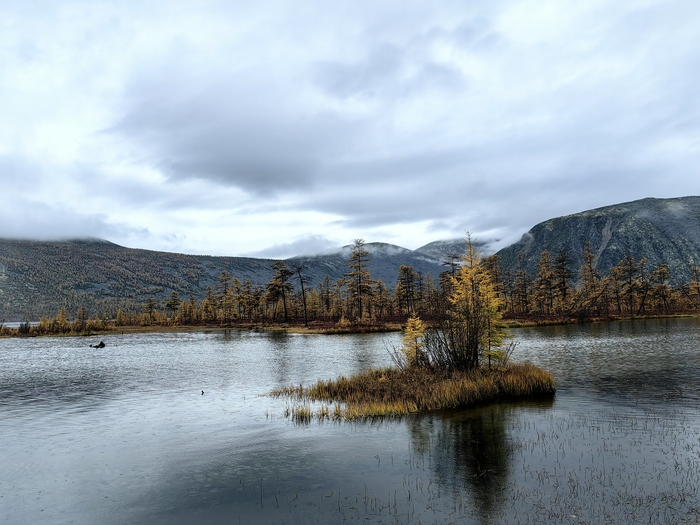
321, 328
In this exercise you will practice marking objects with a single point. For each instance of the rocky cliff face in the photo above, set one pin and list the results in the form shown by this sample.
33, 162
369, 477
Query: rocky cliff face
662, 230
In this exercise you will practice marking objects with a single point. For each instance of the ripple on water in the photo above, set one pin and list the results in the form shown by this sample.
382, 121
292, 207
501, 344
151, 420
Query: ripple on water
124, 435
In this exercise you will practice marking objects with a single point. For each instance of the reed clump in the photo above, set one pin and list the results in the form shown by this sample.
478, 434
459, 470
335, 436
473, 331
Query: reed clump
397, 392
302, 414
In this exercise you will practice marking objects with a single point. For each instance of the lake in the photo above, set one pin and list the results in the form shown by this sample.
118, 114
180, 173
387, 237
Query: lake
124, 435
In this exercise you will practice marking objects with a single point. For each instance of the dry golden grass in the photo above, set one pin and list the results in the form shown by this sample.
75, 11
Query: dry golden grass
394, 392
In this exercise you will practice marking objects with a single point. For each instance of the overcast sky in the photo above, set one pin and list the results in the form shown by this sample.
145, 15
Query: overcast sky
284, 128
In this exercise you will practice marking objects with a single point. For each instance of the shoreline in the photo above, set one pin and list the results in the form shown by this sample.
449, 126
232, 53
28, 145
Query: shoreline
526, 323
318, 328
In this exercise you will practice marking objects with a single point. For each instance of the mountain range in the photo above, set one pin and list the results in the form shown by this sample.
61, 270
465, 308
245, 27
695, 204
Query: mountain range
664, 231
37, 277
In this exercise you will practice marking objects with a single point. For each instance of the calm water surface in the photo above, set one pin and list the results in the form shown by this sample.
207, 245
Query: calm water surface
123, 434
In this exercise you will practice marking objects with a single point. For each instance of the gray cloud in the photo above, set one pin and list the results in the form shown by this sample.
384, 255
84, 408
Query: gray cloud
33, 206
241, 141
24, 218
401, 120
369, 77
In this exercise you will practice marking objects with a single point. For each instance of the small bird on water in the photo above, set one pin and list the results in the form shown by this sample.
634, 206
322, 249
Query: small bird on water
202, 392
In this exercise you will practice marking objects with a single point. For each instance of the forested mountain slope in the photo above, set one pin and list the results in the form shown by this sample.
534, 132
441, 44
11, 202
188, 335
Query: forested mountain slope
37, 278
664, 231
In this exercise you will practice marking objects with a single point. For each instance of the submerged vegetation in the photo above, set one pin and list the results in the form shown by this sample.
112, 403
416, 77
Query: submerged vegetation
462, 360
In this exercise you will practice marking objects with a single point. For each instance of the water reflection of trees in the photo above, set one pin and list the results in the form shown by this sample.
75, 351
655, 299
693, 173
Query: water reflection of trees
480, 456
279, 343
470, 452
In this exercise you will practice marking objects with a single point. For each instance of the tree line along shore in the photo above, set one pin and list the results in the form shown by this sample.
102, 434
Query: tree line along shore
357, 302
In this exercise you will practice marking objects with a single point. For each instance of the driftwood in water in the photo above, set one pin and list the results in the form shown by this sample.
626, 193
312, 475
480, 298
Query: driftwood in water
100, 345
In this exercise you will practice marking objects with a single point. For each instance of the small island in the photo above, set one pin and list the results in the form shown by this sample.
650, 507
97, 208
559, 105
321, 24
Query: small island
462, 360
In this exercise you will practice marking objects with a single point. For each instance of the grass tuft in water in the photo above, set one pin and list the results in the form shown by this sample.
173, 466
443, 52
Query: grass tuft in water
301, 414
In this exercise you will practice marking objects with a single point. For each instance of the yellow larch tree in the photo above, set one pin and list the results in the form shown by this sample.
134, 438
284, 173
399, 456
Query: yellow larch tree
474, 328
413, 342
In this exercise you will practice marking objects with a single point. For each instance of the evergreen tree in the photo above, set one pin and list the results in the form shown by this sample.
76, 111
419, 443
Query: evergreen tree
613, 283
185, 312
80, 322
644, 280
150, 307
279, 288
237, 290
589, 282
247, 300
358, 280
173, 303
223, 285
207, 310
562, 277
383, 303
405, 289
452, 261
661, 291
298, 270
544, 285
325, 290
227, 306
522, 287
60, 323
